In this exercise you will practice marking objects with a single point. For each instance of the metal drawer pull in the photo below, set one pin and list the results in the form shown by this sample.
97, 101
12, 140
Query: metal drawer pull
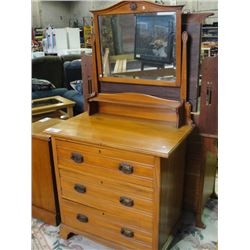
82, 218
126, 201
77, 157
126, 168
80, 188
126, 232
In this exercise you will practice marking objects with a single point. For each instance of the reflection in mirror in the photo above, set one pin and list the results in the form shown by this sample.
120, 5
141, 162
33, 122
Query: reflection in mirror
139, 46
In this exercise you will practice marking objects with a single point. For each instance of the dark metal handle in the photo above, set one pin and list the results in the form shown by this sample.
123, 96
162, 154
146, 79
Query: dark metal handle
209, 94
82, 218
126, 232
126, 201
77, 157
80, 188
126, 168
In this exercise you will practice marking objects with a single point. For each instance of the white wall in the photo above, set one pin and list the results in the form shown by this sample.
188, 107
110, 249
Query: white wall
36, 21
64, 13
210, 6
80, 8
55, 13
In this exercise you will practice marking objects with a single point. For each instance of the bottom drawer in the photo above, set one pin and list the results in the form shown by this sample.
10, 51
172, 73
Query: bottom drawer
104, 225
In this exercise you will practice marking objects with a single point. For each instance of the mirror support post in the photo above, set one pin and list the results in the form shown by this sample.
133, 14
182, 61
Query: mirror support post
183, 90
184, 67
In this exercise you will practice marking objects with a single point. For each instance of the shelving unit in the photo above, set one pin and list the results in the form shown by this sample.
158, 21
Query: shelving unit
210, 34
38, 34
209, 46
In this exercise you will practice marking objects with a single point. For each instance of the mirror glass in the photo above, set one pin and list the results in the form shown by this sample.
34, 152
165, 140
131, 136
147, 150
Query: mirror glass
139, 46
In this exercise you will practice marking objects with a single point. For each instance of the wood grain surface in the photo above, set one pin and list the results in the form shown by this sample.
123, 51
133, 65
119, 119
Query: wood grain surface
131, 134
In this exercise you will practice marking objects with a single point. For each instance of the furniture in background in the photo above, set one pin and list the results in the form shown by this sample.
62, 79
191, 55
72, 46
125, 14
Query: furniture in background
120, 167
44, 192
51, 68
203, 143
60, 39
209, 46
52, 104
72, 72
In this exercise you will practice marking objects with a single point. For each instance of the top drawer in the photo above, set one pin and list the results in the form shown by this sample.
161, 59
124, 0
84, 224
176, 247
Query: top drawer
123, 165
113, 153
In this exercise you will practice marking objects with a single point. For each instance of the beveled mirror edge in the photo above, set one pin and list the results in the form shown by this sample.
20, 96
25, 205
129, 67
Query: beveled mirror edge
124, 8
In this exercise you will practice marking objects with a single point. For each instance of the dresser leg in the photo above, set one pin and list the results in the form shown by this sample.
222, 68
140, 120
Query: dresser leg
64, 233
198, 221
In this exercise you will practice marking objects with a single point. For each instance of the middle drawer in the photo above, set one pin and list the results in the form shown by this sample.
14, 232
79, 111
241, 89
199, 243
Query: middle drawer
133, 203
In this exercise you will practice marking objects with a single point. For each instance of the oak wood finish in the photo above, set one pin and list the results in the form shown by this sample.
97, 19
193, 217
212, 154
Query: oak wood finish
141, 106
67, 231
105, 225
147, 137
44, 194
172, 172
104, 142
124, 7
120, 166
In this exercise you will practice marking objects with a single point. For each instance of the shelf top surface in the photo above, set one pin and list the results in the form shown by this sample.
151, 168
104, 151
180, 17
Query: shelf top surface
137, 135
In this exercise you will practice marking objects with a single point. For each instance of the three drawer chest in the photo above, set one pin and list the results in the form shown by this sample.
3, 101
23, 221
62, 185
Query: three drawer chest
119, 180
120, 165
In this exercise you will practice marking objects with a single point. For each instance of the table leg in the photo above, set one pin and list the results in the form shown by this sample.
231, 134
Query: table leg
70, 111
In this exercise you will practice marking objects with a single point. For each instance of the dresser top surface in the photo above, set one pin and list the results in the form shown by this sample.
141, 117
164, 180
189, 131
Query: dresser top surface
149, 137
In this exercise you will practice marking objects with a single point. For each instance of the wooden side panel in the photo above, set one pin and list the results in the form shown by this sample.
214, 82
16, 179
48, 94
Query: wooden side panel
200, 173
208, 119
43, 195
192, 24
87, 68
172, 173
193, 172
45, 215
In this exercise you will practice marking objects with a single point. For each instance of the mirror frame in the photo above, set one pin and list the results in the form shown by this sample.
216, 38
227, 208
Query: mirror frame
138, 7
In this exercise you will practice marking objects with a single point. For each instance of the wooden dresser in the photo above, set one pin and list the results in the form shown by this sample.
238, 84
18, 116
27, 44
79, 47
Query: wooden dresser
119, 180
120, 166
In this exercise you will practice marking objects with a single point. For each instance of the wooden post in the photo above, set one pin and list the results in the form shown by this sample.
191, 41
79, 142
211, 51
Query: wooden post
184, 67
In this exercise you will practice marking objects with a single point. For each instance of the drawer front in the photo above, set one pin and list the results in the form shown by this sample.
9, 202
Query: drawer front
101, 194
104, 225
88, 160
113, 153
